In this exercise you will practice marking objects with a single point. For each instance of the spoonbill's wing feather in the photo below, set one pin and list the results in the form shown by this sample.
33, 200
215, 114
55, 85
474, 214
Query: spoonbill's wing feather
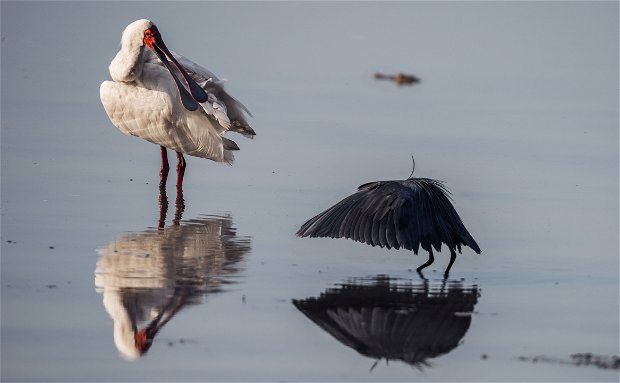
151, 115
224, 108
215, 107
229, 110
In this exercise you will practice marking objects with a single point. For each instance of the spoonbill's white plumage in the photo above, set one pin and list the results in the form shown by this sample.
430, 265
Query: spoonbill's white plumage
180, 106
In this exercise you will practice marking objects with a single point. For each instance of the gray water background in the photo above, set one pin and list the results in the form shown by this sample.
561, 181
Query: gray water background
517, 111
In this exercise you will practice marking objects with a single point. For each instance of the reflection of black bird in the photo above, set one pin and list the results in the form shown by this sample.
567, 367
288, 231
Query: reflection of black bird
405, 213
384, 318
149, 276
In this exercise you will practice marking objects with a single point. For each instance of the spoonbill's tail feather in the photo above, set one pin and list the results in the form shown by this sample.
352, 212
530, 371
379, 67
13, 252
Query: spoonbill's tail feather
242, 128
229, 144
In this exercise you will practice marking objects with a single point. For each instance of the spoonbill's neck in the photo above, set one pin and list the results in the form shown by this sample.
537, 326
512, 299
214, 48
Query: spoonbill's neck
127, 65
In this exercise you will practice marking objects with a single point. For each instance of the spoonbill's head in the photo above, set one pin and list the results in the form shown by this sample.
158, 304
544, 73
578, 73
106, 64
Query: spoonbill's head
147, 33
134, 32
144, 339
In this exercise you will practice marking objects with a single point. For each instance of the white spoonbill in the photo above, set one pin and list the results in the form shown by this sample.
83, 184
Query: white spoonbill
147, 99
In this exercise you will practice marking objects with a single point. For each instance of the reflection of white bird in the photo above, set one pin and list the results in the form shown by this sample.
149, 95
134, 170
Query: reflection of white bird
147, 99
150, 276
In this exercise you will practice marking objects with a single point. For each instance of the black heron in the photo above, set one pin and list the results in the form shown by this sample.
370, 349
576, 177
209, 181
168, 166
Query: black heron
396, 214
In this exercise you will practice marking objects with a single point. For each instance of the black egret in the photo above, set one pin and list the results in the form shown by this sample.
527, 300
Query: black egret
396, 214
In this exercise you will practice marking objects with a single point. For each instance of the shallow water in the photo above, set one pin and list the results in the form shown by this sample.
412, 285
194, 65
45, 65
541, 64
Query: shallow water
517, 111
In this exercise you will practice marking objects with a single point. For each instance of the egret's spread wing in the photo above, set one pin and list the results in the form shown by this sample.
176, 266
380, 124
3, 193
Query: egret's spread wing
377, 214
444, 224
394, 214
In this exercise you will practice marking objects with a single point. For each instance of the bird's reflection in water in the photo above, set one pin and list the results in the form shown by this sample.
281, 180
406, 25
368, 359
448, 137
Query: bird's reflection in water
147, 277
384, 318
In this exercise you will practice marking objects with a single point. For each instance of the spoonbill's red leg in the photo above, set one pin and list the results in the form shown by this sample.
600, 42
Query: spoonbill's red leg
180, 169
163, 172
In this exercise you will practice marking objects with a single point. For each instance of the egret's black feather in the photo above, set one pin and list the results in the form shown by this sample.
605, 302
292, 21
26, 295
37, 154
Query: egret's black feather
407, 214
390, 234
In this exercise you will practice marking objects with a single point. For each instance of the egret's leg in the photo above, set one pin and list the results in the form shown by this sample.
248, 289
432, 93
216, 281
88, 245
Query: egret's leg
163, 172
431, 259
180, 169
452, 259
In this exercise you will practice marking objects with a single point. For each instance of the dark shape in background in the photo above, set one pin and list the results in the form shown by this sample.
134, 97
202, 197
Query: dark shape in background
605, 362
399, 78
148, 277
384, 318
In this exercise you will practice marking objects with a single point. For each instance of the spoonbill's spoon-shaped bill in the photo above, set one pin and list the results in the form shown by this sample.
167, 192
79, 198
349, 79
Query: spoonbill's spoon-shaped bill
152, 39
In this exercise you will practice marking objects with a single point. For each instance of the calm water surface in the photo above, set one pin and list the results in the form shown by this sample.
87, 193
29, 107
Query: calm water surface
517, 111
